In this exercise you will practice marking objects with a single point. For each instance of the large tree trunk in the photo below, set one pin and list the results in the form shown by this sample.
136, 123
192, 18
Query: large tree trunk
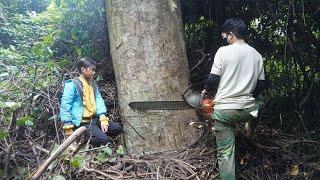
150, 63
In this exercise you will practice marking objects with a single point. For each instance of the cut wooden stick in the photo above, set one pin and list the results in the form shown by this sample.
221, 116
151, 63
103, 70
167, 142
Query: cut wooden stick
76, 134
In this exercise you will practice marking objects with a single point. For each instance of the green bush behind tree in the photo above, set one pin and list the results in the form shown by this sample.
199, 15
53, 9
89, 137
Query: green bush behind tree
40, 41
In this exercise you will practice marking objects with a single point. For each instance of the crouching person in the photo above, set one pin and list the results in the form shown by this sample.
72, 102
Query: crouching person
82, 105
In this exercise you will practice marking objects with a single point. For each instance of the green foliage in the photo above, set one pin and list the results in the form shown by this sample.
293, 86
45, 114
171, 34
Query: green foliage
101, 157
11, 105
24, 53
22, 6
39, 40
25, 121
197, 33
28, 66
107, 150
82, 28
20, 173
120, 150
103, 154
3, 134
78, 161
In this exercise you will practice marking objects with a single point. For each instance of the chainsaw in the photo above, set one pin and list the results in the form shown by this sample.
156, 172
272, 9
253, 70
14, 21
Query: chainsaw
192, 98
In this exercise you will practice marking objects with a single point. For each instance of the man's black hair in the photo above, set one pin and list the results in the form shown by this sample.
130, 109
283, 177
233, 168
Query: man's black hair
86, 63
236, 26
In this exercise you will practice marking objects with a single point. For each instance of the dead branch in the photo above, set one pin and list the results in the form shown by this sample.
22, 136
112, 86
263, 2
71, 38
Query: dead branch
204, 56
42, 150
101, 173
76, 134
7, 164
93, 149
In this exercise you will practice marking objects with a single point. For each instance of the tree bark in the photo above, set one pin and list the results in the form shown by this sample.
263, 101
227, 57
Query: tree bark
150, 63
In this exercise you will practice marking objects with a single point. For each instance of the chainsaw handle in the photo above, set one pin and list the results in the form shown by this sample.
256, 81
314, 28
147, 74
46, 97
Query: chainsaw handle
200, 101
191, 91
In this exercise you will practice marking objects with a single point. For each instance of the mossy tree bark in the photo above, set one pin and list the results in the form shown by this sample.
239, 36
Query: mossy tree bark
150, 63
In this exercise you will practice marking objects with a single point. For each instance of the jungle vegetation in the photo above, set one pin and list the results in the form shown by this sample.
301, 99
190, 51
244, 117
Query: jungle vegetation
40, 41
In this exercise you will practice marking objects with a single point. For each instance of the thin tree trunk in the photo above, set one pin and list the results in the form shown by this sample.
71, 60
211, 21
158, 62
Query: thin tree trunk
150, 63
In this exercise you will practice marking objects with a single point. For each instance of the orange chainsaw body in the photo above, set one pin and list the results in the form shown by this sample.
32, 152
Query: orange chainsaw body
207, 105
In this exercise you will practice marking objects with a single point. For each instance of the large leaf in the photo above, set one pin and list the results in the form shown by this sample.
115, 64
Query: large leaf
101, 157
120, 150
10, 104
78, 161
58, 2
14, 69
37, 48
75, 32
48, 40
25, 121
40, 49
4, 74
78, 51
107, 150
3, 134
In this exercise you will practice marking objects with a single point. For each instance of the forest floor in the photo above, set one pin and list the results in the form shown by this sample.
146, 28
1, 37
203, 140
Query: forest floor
271, 154
267, 156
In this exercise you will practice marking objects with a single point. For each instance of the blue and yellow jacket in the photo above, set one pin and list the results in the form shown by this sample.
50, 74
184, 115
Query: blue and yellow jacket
71, 109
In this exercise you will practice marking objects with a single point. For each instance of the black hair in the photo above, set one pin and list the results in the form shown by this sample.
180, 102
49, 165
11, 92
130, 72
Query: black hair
236, 26
86, 63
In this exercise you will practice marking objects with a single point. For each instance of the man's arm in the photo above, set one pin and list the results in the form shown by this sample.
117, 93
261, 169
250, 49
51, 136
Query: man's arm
213, 79
261, 83
261, 86
212, 84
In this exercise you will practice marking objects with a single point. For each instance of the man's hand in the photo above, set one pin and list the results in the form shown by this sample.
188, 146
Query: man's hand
204, 92
68, 128
208, 93
104, 128
104, 120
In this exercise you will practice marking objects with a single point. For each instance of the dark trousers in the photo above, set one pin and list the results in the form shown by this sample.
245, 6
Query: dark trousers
95, 134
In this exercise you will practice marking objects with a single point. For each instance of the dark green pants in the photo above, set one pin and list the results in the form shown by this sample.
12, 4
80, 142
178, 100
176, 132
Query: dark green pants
225, 121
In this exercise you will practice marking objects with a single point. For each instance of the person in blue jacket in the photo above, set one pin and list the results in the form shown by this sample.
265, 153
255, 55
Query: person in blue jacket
82, 105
